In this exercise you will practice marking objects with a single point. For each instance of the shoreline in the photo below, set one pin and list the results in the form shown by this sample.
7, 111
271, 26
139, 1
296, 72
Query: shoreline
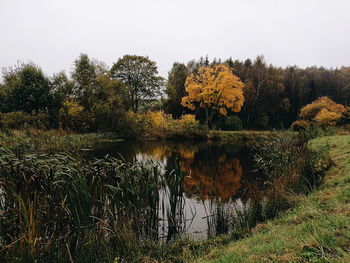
315, 230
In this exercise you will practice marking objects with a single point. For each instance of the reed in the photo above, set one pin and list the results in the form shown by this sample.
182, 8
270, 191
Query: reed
61, 208
56, 209
290, 168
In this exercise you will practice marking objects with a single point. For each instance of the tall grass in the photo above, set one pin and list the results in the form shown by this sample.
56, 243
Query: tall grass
56, 209
173, 203
290, 168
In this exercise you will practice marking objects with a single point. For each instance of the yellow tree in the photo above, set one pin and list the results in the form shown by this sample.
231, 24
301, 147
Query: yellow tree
216, 89
323, 111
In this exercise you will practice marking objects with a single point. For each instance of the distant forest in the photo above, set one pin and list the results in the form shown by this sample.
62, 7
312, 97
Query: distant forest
273, 95
96, 97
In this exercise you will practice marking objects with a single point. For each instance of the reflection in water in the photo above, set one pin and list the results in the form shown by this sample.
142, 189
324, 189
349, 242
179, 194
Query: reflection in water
208, 180
201, 181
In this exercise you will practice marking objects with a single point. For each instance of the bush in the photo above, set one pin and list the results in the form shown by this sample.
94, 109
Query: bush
233, 123
327, 118
148, 124
300, 125
323, 111
188, 122
152, 124
159, 120
73, 117
108, 118
20, 119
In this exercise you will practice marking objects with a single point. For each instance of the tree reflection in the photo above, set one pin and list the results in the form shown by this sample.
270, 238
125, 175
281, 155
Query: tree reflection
212, 178
209, 170
215, 174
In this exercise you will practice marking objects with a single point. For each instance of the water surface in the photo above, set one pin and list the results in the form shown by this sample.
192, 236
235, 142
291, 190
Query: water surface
204, 182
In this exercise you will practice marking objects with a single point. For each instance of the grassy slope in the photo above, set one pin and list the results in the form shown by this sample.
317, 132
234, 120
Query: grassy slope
316, 230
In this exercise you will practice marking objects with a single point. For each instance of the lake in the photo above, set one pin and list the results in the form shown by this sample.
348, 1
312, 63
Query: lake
204, 182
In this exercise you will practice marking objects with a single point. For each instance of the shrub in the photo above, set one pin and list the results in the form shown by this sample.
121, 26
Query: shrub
159, 120
261, 121
108, 118
20, 119
188, 122
327, 118
15, 120
323, 112
300, 125
310, 111
150, 123
158, 124
73, 117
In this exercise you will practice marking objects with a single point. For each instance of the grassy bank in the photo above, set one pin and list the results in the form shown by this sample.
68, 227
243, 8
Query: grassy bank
230, 136
316, 230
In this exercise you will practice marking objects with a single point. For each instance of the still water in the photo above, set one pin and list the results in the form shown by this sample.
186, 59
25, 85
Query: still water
212, 179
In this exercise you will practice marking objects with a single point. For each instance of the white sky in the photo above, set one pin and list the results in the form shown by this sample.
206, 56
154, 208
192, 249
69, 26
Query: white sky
52, 33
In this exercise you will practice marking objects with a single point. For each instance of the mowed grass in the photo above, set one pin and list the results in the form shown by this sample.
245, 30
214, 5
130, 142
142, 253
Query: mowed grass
316, 230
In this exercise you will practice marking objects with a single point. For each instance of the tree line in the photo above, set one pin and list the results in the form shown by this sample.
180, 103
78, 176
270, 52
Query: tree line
273, 96
95, 97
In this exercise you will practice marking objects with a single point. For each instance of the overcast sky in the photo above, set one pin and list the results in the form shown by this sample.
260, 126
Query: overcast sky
52, 33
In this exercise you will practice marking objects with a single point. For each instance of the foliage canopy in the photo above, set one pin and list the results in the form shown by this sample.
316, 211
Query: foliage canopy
214, 89
140, 76
323, 111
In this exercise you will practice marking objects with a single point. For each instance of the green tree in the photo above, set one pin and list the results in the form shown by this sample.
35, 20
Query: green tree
61, 90
25, 88
140, 76
175, 89
108, 109
84, 76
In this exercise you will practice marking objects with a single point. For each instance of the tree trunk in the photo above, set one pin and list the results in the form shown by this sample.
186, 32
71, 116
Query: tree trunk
209, 117
250, 113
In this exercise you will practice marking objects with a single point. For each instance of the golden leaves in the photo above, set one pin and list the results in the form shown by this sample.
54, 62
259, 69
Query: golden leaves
72, 108
326, 117
323, 111
214, 87
310, 111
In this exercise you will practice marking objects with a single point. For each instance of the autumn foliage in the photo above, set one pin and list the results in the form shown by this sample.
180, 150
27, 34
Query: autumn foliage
72, 115
323, 112
214, 89
151, 124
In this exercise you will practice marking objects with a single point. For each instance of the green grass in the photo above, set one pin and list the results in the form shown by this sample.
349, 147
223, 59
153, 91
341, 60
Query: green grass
228, 136
316, 230
246, 135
